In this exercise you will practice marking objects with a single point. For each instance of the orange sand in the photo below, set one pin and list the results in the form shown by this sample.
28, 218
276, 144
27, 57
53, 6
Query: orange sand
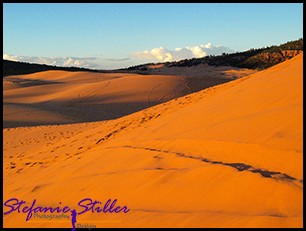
227, 156
61, 97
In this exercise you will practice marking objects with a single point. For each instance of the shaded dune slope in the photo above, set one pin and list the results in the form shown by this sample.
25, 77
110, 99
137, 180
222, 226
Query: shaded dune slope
62, 97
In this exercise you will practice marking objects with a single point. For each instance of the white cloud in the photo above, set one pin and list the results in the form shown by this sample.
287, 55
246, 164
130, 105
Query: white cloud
86, 62
159, 54
10, 57
165, 55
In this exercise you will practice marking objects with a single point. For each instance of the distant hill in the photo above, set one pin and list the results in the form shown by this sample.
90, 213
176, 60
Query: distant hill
19, 68
259, 59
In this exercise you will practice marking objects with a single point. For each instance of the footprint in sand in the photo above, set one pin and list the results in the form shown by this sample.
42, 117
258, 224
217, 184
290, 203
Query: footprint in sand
157, 157
36, 188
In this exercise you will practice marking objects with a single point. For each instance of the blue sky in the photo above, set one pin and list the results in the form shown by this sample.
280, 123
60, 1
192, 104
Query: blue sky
100, 35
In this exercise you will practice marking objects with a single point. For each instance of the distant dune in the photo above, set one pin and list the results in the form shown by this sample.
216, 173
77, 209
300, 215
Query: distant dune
62, 97
199, 71
59, 97
227, 156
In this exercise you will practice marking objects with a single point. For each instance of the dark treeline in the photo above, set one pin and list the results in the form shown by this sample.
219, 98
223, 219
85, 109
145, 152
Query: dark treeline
19, 68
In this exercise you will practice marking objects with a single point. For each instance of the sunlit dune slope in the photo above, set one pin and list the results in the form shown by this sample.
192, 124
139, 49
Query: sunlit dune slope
227, 156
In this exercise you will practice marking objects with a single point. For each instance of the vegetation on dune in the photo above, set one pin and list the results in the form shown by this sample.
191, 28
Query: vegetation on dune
260, 58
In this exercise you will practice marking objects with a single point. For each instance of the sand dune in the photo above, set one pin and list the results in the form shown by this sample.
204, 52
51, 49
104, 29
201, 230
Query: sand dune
227, 156
200, 71
83, 97
62, 97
